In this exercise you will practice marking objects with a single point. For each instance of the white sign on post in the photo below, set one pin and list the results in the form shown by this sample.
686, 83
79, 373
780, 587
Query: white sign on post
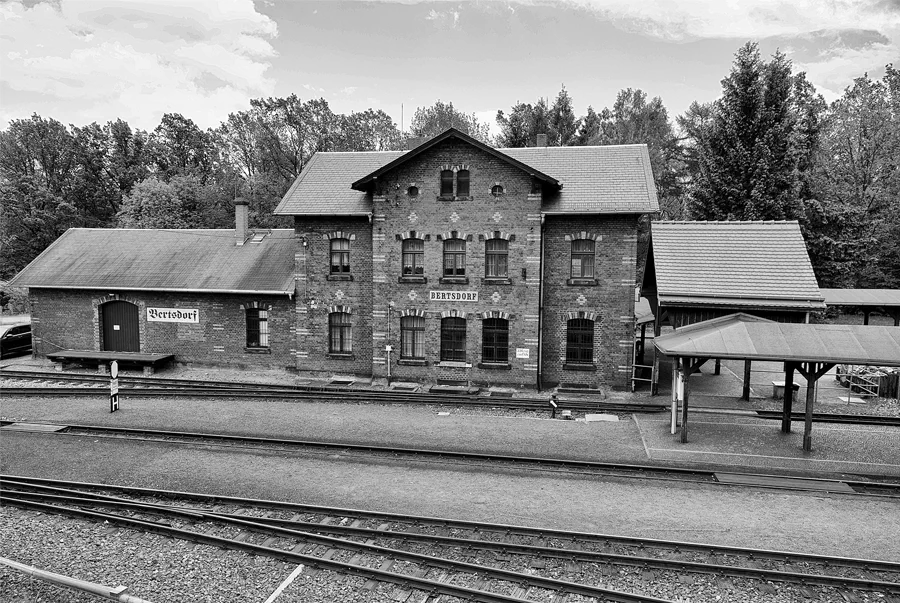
114, 386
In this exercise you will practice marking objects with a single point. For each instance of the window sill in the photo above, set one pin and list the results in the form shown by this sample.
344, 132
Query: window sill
572, 366
340, 277
340, 356
495, 366
453, 364
412, 362
413, 279
582, 282
455, 198
496, 280
257, 351
454, 280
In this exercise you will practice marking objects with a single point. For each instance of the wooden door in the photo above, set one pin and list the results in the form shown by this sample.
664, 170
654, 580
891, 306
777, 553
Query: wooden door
120, 327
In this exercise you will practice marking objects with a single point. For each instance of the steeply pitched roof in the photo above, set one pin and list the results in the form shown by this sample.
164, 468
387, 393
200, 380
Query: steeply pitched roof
164, 260
605, 179
760, 264
747, 337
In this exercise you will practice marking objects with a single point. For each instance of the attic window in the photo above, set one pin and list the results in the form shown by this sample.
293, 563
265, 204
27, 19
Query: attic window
497, 190
413, 191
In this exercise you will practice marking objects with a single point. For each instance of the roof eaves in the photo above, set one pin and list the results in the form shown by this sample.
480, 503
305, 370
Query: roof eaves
279, 211
12, 281
448, 133
288, 290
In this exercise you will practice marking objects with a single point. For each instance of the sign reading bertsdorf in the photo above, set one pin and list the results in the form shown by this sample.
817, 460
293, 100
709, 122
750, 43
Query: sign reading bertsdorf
456, 296
191, 315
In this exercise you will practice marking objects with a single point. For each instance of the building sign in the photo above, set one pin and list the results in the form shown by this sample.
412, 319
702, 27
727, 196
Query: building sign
173, 315
522, 352
456, 296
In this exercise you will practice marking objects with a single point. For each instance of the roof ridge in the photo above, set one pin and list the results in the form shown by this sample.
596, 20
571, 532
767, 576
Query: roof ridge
574, 147
730, 222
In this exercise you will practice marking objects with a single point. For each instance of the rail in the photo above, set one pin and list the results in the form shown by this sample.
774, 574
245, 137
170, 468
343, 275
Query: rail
110, 593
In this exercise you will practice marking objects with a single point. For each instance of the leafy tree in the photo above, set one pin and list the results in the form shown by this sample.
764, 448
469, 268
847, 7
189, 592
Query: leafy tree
524, 123
154, 204
431, 121
178, 148
39, 149
588, 129
747, 160
562, 122
369, 130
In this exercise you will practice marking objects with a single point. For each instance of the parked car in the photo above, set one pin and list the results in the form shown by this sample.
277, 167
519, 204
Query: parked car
15, 339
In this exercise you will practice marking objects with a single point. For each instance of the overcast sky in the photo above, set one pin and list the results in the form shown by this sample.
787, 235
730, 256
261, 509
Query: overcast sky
95, 60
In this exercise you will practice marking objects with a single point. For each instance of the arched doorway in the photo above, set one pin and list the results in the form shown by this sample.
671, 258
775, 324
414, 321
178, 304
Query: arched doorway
120, 327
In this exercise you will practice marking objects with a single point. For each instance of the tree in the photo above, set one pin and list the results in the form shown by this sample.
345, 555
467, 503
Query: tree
430, 121
39, 149
589, 129
562, 122
524, 123
154, 204
747, 160
369, 130
179, 148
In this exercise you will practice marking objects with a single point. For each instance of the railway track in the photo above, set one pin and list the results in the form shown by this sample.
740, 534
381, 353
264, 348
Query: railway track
874, 486
188, 388
494, 562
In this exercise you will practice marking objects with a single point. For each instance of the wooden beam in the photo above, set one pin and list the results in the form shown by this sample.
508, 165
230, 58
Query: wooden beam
813, 371
686, 371
718, 369
745, 392
654, 378
788, 397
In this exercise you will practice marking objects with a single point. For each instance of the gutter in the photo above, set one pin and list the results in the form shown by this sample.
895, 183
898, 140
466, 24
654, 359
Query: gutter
164, 290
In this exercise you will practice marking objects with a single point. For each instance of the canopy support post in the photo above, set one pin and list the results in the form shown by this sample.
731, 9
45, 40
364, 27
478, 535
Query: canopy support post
686, 373
718, 369
812, 372
745, 392
654, 377
788, 397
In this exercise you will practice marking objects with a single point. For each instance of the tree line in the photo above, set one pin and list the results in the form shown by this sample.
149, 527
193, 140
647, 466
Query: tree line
770, 148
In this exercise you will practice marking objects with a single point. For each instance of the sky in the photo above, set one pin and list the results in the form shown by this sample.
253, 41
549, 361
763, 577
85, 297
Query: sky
80, 61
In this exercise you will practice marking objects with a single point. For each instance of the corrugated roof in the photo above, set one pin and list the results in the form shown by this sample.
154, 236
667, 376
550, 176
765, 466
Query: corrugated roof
733, 263
603, 179
746, 337
163, 260
861, 297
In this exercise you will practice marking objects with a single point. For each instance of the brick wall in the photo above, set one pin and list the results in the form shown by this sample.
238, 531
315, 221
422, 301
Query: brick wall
609, 300
65, 319
319, 294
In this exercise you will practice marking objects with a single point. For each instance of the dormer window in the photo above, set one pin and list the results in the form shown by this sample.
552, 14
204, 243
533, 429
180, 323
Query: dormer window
446, 183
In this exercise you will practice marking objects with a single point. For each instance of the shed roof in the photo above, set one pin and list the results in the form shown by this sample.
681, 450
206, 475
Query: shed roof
746, 337
733, 264
164, 260
603, 179
861, 297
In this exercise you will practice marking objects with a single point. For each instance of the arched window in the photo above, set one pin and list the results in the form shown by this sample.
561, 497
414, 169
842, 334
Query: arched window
583, 258
580, 341
413, 257
462, 183
412, 337
446, 183
340, 256
453, 339
340, 337
454, 257
495, 340
496, 258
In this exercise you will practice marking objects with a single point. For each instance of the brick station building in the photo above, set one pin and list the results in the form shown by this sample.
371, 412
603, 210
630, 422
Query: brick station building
458, 262
450, 262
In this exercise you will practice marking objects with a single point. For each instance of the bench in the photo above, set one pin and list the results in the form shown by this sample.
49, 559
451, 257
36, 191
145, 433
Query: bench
149, 362
778, 390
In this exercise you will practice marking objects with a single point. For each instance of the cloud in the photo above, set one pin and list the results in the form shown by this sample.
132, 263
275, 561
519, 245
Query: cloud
444, 18
349, 90
86, 60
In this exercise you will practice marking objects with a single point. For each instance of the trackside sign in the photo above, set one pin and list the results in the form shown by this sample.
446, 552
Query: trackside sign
190, 315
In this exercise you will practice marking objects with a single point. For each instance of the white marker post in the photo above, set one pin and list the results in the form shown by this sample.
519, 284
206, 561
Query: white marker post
114, 386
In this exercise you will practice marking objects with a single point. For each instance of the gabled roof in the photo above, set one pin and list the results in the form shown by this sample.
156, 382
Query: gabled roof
604, 179
745, 337
733, 264
363, 182
164, 260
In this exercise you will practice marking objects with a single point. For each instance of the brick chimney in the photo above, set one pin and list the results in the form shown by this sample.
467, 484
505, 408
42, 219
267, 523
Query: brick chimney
541, 140
241, 220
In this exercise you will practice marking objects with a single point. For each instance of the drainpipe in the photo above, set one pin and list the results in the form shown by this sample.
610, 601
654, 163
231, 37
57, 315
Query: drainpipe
540, 350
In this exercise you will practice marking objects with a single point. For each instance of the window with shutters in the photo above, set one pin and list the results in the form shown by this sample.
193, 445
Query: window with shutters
340, 339
454, 257
453, 339
580, 341
257, 328
495, 340
496, 258
340, 256
582, 259
412, 338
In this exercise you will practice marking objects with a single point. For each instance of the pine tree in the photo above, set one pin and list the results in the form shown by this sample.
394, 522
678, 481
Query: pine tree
563, 125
